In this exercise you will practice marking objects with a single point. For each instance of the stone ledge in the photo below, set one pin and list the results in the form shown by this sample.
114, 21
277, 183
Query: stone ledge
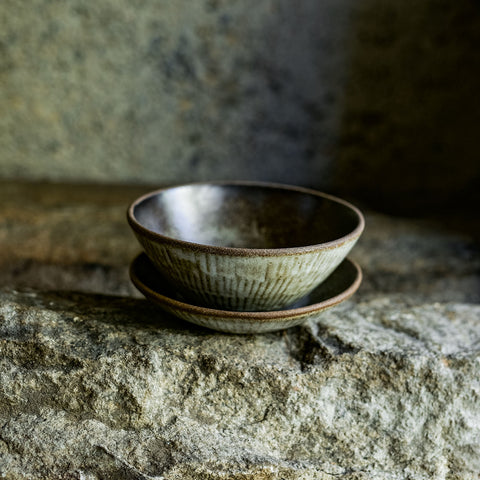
97, 383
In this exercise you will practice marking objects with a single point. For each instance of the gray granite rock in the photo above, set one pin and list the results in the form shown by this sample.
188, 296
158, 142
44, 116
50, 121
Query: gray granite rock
105, 387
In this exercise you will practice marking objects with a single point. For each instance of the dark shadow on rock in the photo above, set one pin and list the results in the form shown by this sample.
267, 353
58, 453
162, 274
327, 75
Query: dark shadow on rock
123, 311
322, 348
409, 130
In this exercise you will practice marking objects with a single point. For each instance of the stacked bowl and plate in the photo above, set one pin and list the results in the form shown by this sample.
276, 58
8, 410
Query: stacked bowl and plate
245, 257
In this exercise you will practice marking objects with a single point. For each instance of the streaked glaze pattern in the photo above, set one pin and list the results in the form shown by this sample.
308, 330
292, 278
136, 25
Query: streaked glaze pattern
244, 283
338, 287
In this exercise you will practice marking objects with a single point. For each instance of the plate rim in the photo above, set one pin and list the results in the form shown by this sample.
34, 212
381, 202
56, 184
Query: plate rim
267, 315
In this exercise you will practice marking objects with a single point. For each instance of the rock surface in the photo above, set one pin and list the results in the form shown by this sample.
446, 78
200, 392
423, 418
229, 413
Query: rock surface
105, 387
97, 383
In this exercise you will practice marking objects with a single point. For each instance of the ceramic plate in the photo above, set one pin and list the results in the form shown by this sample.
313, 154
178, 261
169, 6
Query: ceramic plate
339, 286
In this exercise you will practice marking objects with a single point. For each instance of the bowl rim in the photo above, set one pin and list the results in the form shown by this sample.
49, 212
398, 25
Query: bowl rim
243, 251
258, 316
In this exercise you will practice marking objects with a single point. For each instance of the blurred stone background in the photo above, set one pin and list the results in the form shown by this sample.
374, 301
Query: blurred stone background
376, 100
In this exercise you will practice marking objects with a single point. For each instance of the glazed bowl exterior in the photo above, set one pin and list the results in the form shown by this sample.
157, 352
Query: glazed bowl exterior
244, 246
339, 286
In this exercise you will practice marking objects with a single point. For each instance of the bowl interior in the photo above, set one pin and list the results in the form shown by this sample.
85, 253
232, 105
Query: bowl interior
246, 216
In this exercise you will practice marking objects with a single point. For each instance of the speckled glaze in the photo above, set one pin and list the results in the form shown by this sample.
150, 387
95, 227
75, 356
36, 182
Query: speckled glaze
245, 246
339, 286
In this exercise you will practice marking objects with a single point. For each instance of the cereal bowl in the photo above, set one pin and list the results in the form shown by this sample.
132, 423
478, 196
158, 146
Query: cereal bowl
245, 246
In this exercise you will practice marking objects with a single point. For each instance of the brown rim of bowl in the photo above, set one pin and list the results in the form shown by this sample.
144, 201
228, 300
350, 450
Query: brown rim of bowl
267, 315
247, 252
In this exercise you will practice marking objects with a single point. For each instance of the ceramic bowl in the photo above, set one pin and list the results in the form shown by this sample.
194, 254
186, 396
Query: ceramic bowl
338, 287
245, 246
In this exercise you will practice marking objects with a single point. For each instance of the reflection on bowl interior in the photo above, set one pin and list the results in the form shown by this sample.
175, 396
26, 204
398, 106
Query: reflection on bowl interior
245, 216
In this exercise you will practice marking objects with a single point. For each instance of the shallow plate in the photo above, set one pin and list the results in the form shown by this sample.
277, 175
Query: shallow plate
339, 286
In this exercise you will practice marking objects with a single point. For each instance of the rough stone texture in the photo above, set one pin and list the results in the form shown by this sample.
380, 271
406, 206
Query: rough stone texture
167, 92
103, 387
95, 385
